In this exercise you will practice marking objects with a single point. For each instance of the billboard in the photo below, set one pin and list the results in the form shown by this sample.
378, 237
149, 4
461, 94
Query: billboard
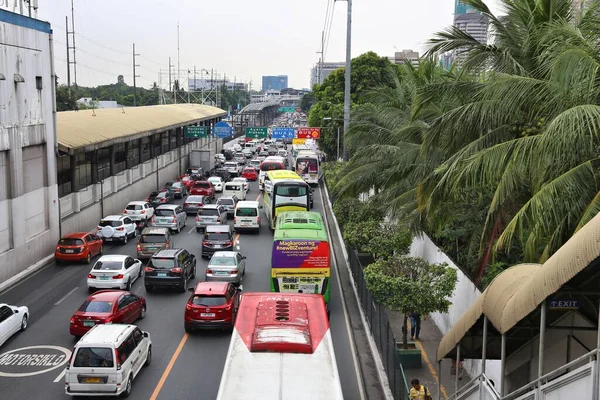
308, 133
300, 253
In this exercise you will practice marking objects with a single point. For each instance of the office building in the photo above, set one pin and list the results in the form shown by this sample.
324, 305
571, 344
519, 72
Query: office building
321, 71
406, 55
29, 203
474, 24
276, 82
461, 8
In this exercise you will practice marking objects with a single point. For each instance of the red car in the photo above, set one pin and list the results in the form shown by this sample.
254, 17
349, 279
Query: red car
78, 246
187, 181
250, 173
204, 188
212, 305
107, 306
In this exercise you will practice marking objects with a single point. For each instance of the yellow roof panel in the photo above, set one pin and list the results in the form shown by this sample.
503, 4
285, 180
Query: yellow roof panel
101, 127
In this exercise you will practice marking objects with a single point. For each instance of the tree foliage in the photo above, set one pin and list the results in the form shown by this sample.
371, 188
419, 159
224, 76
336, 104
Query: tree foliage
307, 101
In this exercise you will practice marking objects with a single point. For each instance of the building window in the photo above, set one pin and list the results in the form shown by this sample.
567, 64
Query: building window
156, 144
120, 157
145, 149
103, 163
165, 142
133, 153
63, 175
173, 138
83, 169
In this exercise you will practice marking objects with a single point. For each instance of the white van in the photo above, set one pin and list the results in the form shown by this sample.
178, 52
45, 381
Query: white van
106, 360
247, 216
250, 145
234, 189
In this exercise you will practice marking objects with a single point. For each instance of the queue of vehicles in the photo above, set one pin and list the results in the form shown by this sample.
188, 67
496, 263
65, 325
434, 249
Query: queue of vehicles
103, 362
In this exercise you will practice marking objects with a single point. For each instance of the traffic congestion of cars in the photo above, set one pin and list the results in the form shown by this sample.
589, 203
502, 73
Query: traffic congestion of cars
106, 339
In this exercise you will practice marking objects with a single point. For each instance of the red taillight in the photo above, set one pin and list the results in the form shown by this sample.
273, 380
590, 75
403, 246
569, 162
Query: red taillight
118, 359
167, 246
120, 276
152, 219
57, 248
174, 219
143, 212
148, 269
163, 200
120, 229
148, 200
257, 219
176, 270
197, 218
208, 271
218, 219
235, 271
124, 211
188, 306
185, 204
228, 243
139, 247
90, 276
72, 320
205, 243
234, 219
98, 228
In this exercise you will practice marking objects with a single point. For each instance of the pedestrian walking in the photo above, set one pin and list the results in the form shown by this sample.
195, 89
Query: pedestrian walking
415, 325
418, 391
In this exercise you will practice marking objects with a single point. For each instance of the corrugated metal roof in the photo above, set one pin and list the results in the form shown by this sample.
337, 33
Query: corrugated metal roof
519, 290
90, 129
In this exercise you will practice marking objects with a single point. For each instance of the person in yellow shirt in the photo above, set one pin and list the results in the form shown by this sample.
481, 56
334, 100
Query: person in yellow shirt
418, 391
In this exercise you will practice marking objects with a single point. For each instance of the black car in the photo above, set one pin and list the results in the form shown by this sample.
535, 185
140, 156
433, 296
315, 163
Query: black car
168, 186
217, 238
170, 268
223, 174
157, 198
228, 154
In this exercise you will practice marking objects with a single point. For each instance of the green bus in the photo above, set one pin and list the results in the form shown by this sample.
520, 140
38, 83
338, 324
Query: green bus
301, 260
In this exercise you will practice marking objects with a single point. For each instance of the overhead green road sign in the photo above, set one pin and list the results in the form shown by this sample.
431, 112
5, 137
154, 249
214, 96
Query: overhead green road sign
256, 132
287, 109
195, 132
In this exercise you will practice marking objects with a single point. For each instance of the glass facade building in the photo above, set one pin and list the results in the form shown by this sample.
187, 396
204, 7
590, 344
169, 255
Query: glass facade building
461, 8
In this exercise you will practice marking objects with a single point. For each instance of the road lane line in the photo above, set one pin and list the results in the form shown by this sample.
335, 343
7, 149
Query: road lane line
60, 376
237, 237
191, 230
165, 374
66, 295
258, 198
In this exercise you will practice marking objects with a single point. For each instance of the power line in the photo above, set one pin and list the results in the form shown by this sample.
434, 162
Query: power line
328, 34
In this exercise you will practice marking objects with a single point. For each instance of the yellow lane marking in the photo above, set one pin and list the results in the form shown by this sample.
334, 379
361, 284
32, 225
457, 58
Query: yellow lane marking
165, 374
430, 367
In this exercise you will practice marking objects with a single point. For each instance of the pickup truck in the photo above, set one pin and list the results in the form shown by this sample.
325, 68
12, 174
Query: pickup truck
203, 188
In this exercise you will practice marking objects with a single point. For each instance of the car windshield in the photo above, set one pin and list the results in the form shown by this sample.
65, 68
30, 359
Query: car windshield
161, 195
227, 202
146, 238
96, 306
246, 212
95, 357
194, 199
168, 184
108, 265
209, 301
134, 207
208, 211
216, 236
222, 261
110, 223
161, 263
231, 165
164, 213
186, 178
176, 185
71, 242
233, 187
214, 179
153, 194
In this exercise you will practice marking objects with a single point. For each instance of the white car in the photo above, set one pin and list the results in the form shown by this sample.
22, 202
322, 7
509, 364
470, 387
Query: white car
115, 228
138, 210
243, 180
217, 182
12, 320
114, 271
237, 147
233, 168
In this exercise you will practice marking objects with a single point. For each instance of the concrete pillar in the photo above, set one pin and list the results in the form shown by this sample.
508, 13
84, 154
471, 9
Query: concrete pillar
15, 163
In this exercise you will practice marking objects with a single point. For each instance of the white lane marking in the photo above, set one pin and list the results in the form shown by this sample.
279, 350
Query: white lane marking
60, 376
66, 295
191, 230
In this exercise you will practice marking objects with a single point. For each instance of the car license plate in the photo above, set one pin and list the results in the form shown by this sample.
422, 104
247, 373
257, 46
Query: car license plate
92, 380
161, 274
108, 239
103, 278
207, 314
221, 273
217, 246
70, 251
244, 224
89, 323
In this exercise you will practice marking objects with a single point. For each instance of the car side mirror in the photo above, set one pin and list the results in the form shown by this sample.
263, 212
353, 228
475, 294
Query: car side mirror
146, 334
293, 168
190, 289
244, 257
137, 261
260, 206
16, 311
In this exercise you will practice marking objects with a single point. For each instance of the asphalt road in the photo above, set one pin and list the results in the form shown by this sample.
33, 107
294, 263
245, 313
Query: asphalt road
183, 366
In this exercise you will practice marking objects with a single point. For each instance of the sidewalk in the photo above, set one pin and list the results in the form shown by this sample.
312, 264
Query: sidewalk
428, 342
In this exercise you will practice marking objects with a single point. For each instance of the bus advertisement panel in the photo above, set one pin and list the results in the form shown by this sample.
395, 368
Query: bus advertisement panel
301, 266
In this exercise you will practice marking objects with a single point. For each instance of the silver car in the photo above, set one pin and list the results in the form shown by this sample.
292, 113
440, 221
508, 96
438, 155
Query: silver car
193, 203
210, 214
169, 216
228, 203
226, 266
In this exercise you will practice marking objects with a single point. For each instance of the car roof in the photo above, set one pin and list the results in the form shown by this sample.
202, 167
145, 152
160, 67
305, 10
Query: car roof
224, 254
113, 218
248, 203
105, 333
210, 206
75, 235
167, 253
215, 177
105, 295
207, 288
167, 206
113, 257
225, 198
137, 202
152, 230
218, 228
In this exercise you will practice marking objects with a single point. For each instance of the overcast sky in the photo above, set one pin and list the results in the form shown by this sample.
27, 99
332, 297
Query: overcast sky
239, 38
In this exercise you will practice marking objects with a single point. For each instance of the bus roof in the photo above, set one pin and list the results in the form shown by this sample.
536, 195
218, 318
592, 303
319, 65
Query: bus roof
300, 225
283, 339
283, 174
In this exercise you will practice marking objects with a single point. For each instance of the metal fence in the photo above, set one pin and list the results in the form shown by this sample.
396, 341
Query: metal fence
381, 330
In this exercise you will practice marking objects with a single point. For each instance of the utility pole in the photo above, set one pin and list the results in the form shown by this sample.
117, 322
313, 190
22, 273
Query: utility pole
68, 58
134, 76
347, 77
178, 66
320, 65
73, 41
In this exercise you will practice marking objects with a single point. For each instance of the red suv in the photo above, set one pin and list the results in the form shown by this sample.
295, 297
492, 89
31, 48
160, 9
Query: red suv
212, 305
250, 173
204, 188
105, 307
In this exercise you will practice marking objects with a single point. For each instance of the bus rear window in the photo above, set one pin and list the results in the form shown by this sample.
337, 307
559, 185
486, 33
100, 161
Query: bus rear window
271, 166
291, 191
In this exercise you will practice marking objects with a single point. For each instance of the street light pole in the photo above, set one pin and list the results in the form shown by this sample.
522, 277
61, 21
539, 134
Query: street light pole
338, 144
347, 77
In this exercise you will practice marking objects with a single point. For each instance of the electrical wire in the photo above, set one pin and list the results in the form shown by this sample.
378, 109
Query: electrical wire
328, 34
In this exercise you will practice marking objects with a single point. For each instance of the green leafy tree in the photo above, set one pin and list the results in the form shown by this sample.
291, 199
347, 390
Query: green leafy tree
409, 284
65, 101
307, 101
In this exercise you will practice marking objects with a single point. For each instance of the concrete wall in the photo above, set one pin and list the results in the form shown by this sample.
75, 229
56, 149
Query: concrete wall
81, 211
29, 223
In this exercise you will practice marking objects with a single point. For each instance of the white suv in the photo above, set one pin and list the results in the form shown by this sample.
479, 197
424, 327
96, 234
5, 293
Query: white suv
106, 360
115, 228
138, 211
